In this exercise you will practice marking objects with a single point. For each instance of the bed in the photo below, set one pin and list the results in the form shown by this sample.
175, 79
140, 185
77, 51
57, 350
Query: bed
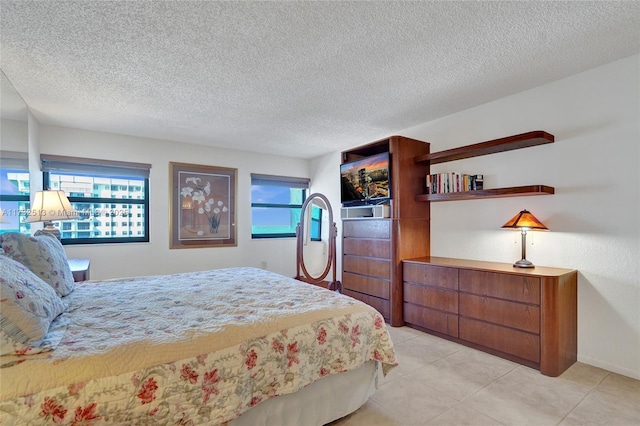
237, 345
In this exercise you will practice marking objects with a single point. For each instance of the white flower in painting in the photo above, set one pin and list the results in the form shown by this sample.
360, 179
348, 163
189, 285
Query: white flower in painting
200, 193
198, 196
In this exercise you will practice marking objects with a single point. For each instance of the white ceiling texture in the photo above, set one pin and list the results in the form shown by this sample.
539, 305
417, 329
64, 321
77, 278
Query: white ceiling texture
299, 79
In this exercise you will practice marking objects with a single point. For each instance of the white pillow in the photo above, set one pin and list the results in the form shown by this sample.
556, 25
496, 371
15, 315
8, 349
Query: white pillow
28, 305
43, 255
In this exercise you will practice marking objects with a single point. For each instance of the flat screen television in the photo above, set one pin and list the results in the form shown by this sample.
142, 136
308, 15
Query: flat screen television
366, 180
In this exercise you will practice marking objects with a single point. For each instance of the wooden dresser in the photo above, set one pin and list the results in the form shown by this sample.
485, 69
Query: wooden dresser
526, 315
366, 262
373, 247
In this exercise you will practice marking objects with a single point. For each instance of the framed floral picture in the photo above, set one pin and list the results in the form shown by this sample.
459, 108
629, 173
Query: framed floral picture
203, 206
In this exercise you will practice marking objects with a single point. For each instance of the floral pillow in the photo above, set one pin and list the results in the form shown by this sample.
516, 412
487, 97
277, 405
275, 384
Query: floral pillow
28, 306
43, 255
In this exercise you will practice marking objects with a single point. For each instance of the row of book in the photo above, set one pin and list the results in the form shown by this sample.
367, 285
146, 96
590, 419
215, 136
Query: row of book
442, 183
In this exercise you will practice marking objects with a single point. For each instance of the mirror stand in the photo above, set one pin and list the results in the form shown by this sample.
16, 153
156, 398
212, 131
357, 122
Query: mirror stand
316, 244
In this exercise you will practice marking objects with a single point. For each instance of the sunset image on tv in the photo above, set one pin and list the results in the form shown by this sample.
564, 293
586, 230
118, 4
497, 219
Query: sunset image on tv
365, 179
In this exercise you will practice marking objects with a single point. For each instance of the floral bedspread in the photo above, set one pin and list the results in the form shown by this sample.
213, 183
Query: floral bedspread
196, 348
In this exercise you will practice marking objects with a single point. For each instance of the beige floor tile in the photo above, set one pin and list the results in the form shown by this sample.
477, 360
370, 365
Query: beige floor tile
440, 382
410, 402
600, 408
370, 414
421, 351
584, 374
463, 373
401, 334
524, 396
460, 415
621, 386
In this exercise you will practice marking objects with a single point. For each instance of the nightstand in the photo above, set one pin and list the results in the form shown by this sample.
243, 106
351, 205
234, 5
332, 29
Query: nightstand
79, 269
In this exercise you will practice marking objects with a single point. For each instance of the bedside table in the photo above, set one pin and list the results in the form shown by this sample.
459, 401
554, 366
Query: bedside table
79, 269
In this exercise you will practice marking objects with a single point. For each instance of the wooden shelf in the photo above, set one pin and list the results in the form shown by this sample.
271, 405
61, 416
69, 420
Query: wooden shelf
509, 143
516, 191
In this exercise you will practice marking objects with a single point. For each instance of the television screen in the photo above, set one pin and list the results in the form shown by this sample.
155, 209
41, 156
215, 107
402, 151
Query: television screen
365, 180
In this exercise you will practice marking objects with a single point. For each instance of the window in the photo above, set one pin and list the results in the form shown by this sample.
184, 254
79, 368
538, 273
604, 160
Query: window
104, 194
316, 223
14, 191
276, 203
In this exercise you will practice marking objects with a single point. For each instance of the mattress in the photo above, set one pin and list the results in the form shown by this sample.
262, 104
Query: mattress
200, 348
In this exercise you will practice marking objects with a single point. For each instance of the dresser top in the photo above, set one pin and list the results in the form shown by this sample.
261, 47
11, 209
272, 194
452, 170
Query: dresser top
481, 265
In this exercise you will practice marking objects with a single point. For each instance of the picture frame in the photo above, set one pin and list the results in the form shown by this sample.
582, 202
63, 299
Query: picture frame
202, 203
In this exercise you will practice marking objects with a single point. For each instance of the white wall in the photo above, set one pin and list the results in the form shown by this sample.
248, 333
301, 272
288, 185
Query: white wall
594, 214
325, 179
155, 257
13, 135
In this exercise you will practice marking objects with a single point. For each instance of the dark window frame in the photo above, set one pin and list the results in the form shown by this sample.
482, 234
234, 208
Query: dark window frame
96, 200
95, 168
291, 182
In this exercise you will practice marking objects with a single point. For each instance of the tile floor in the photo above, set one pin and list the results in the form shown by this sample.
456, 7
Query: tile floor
438, 382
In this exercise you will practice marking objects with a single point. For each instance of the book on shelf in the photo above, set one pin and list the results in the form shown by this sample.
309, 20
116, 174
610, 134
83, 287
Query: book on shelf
442, 183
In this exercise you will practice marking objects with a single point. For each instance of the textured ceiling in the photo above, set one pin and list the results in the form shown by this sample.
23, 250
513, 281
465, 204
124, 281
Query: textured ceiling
293, 78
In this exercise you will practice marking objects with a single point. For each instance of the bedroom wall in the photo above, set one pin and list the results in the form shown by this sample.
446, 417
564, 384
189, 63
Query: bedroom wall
593, 215
13, 135
324, 172
155, 257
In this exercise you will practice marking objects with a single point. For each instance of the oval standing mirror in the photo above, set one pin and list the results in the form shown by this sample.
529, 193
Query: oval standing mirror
316, 243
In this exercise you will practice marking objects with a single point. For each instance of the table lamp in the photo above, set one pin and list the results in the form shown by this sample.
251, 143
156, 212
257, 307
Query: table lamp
524, 221
48, 206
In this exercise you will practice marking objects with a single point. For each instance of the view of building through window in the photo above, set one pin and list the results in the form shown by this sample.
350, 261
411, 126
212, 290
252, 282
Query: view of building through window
106, 207
14, 192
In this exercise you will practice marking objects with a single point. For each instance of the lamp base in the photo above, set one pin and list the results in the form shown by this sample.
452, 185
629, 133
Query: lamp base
50, 230
523, 263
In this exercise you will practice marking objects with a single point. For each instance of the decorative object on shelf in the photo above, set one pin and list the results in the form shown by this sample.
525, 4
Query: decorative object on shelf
48, 206
524, 221
524, 140
444, 183
203, 200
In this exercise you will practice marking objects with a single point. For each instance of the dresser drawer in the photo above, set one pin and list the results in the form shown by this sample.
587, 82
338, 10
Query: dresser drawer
437, 276
364, 247
367, 228
378, 304
511, 314
380, 268
363, 284
444, 300
431, 319
518, 343
518, 288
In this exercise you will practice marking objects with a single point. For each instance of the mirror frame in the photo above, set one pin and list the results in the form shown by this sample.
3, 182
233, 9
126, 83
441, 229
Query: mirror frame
320, 280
